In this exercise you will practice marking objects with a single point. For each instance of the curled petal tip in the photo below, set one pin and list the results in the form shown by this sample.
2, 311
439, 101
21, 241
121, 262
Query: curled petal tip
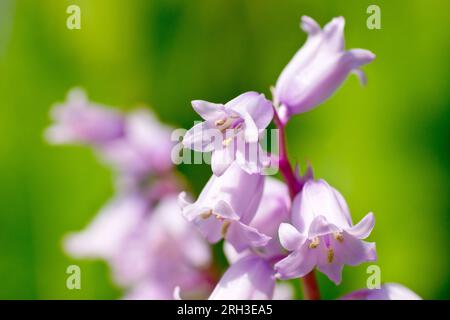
363, 229
309, 25
372, 253
340, 19
195, 103
335, 26
368, 55
183, 200
361, 76
362, 55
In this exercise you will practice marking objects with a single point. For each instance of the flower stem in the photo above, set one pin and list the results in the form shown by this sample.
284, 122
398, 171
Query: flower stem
310, 286
283, 161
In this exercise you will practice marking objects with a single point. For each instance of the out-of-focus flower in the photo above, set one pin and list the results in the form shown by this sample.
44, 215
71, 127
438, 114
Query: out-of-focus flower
165, 249
149, 290
318, 68
226, 206
81, 121
144, 148
322, 234
388, 291
250, 278
105, 235
283, 291
232, 132
150, 249
136, 145
150, 253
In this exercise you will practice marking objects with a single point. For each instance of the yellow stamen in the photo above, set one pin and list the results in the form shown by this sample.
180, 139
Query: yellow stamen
224, 123
220, 122
330, 255
227, 141
225, 227
206, 215
338, 236
314, 243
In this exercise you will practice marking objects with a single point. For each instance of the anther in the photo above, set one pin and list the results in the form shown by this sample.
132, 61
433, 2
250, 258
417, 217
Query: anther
206, 215
224, 123
330, 255
338, 236
225, 226
314, 243
220, 122
227, 141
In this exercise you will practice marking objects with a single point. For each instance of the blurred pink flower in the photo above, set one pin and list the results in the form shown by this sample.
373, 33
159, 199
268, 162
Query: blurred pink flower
144, 148
164, 248
81, 121
250, 278
111, 228
150, 251
388, 291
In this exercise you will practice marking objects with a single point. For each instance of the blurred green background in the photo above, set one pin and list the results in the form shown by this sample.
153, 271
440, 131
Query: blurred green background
384, 146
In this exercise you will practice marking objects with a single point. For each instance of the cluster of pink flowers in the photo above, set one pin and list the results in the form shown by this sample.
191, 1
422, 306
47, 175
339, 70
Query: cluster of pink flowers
141, 233
154, 235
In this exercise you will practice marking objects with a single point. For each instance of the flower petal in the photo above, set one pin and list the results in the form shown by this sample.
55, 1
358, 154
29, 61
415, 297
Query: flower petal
105, 235
297, 264
333, 34
184, 200
224, 210
332, 270
355, 58
290, 238
320, 226
363, 229
274, 207
210, 228
353, 251
309, 25
242, 236
250, 278
251, 130
251, 157
255, 105
388, 291
318, 198
231, 253
221, 159
207, 110
361, 76
201, 137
